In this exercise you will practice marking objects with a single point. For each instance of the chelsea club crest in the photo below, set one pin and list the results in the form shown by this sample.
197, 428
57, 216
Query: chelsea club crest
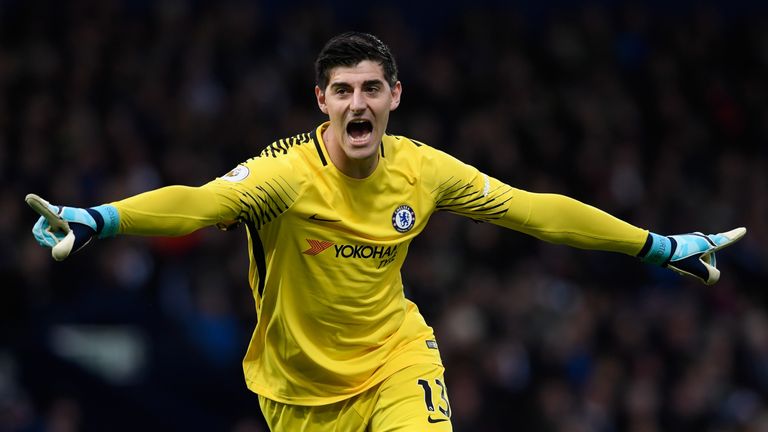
403, 218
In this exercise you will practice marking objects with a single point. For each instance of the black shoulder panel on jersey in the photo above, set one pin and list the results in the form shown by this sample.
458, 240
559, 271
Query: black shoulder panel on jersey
313, 137
281, 146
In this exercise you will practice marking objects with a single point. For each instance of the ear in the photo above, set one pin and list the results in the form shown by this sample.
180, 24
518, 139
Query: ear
320, 95
397, 91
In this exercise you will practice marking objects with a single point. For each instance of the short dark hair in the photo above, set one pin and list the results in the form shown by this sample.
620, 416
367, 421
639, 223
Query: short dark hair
349, 49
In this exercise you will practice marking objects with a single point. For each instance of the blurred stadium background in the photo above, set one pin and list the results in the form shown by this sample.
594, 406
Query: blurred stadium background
655, 112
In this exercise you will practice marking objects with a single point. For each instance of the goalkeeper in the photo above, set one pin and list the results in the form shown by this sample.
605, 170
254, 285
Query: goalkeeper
329, 216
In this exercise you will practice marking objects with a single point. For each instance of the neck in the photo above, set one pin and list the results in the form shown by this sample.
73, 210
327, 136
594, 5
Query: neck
355, 168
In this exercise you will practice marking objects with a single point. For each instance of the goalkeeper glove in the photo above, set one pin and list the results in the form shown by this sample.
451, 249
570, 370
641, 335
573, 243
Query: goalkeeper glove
68, 229
689, 254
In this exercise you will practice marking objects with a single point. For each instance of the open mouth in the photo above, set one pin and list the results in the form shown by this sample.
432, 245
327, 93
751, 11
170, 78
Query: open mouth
359, 130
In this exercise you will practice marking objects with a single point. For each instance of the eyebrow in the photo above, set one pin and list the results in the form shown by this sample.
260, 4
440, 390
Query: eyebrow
365, 83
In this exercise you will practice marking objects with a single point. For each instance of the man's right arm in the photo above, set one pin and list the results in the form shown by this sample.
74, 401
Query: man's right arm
256, 191
174, 211
168, 211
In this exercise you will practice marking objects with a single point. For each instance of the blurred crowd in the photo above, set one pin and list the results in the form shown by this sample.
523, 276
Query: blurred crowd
657, 114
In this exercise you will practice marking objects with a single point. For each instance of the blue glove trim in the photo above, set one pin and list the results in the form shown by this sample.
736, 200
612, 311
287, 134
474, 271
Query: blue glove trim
110, 220
659, 249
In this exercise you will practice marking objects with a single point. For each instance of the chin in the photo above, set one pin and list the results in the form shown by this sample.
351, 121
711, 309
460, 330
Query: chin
358, 153
362, 150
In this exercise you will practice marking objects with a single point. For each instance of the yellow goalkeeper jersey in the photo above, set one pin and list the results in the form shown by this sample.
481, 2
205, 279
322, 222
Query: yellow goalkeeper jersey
326, 252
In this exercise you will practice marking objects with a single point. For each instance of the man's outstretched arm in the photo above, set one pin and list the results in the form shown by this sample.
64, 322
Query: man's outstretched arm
563, 220
172, 211
168, 211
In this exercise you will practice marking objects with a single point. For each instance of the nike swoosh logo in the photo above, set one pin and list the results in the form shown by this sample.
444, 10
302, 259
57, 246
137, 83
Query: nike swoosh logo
440, 420
319, 219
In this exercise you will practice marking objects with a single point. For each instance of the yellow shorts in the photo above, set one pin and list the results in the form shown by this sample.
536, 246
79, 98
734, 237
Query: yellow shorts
412, 399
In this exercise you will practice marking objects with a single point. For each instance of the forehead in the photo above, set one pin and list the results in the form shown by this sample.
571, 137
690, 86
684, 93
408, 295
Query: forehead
366, 70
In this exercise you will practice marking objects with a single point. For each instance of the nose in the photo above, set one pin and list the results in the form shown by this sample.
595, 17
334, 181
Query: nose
357, 105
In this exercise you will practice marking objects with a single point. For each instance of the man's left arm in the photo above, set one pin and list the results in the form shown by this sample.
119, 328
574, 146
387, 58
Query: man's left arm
462, 189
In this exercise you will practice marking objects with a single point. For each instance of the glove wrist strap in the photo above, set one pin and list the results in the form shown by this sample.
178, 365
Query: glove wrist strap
657, 250
107, 220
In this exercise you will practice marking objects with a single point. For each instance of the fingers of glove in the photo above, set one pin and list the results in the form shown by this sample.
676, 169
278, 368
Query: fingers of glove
697, 243
51, 208
48, 211
722, 240
43, 234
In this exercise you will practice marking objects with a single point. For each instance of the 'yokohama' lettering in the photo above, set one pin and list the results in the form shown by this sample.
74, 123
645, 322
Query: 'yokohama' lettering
365, 251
